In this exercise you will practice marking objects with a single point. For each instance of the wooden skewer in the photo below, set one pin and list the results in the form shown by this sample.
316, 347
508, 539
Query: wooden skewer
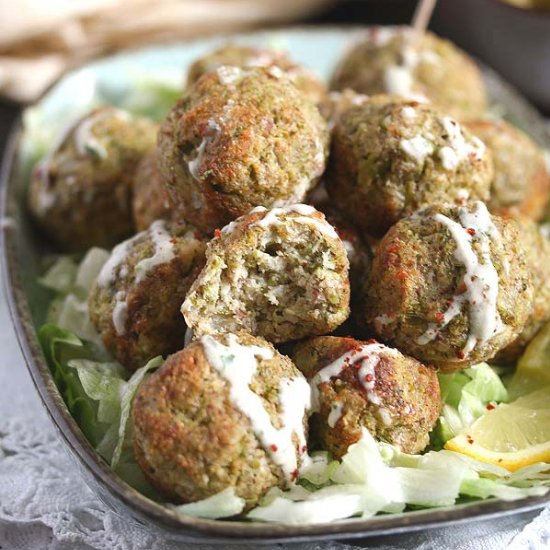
422, 15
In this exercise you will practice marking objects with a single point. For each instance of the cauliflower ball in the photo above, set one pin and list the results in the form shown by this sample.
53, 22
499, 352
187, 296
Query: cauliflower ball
391, 156
280, 273
239, 139
396, 60
134, 304
80, 193
521, 183
246, 57
359, 385
449, 286
537, 254
228, 411
151, 200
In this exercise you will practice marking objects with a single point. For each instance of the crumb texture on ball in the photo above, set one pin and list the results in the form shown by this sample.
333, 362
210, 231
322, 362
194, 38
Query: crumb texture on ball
391, 156
449, 286
134, 303
240, 138
80, 192
225, 412
357, 384
280, 273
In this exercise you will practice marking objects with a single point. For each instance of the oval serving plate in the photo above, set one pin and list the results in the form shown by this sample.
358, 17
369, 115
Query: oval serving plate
113, 79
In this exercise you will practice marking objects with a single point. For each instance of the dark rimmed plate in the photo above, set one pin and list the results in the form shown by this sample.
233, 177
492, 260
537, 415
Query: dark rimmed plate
22, 250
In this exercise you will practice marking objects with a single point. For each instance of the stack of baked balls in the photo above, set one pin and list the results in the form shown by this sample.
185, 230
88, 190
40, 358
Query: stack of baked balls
432, 206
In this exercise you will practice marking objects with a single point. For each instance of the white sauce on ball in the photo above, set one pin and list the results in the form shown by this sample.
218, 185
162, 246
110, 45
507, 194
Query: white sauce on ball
481, 280
84, 139
237, 364
163, 251
273, 217
120, 313
458, 149
417, 148
368, 356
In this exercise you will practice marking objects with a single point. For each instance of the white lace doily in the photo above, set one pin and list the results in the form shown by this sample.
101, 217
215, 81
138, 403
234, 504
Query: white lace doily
44, 504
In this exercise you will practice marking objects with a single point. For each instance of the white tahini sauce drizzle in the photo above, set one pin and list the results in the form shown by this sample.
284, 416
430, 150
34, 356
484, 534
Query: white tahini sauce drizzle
480, 279
237, 364
369, 357
398, 79
194, 165
120, 252
408, 112
115, 268
120, 312
417, 148
336, 410
273, 217
458, 149
164, 250
84, 139
228, 74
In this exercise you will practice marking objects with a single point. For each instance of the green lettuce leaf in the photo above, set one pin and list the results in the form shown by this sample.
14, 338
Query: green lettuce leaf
465, 396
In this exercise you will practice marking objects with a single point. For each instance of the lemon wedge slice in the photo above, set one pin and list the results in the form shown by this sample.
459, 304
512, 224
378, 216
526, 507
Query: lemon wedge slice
533, 368
512, 435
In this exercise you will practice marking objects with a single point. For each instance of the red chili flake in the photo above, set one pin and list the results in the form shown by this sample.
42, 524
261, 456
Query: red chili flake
303, 450
460, 354
439, 317
490, 407
469, 440
471, 231
401, 275
217, 233
173, 241
393, 248
294, 475
369, 378
273, 448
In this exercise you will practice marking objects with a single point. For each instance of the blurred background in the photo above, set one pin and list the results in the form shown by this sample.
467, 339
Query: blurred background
40, 40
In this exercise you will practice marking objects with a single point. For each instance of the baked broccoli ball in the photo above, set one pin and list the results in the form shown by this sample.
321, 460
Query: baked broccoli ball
226, 412
449, 286
521, 183
396, 60
134, 304
80, 193
280, 273
390, 157
246, 57
151, 200
537, 254
239, 139
358, 385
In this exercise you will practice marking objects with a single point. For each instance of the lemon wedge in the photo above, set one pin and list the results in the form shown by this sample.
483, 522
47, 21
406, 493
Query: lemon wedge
512, 435
533, 368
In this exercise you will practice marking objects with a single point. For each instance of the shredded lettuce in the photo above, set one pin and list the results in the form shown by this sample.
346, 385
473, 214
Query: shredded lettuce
99, 395
224, 504
375, 477
465, 396
72, 283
